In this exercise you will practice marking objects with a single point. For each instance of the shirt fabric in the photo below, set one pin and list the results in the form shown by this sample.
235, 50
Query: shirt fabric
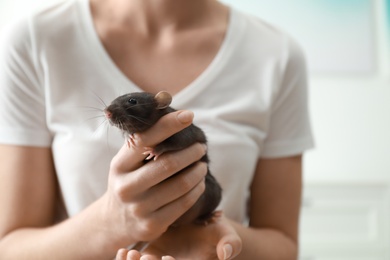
251, 101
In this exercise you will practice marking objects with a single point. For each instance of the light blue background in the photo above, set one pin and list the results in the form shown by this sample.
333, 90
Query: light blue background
388, 16
337, 35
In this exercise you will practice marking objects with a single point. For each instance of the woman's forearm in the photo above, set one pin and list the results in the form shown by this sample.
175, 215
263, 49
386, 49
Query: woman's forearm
81, 237
265, 244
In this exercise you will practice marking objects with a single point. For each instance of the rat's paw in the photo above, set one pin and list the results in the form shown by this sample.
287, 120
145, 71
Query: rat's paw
213, 218
216, 214
130, 141
151, 153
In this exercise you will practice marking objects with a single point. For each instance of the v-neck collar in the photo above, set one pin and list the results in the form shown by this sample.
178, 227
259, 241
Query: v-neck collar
185, 94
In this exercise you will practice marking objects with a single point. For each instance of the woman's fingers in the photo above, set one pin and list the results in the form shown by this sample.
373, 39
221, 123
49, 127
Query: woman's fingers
158, 199
121, 254
175, 187
133, 255
154, 172
230, 243
164, 128
130, 157
229, 247
175, 209
124, 254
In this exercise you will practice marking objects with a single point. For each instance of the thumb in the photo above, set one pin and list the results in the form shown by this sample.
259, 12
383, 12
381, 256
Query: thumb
229, 247
230, 244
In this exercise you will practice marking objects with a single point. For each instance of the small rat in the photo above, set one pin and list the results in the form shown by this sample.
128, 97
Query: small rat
138, 111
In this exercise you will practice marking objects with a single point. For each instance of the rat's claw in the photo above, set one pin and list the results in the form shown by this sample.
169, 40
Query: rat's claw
151, 153
214, 216
217, 214
130, 140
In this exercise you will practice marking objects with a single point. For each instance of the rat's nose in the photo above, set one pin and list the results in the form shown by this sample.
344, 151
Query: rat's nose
108, 114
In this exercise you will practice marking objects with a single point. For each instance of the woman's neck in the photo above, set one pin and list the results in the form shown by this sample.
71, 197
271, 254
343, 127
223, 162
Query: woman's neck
155, 15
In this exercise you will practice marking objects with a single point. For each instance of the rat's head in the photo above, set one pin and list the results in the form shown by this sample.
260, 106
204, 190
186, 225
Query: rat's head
136, 112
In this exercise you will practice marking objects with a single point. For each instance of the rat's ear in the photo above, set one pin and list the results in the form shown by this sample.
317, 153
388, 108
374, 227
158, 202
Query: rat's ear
163, 99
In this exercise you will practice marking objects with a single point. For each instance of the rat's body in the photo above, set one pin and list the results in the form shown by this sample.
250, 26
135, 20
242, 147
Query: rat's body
136, 112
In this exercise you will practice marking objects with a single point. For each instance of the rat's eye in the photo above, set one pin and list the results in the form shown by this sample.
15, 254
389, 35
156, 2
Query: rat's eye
132, 101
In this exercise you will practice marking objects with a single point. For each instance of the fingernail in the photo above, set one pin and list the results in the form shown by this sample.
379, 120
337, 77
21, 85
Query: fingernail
185, 116
227, 251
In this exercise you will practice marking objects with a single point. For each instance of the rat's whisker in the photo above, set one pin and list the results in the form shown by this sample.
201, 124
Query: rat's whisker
121, 125
102, 123
90, 109
94, 117
101, 101
127, 128
95, 132
140, 119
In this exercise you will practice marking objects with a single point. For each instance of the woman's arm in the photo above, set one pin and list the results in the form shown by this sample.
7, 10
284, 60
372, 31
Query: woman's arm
27, 200
126, 213
274, 211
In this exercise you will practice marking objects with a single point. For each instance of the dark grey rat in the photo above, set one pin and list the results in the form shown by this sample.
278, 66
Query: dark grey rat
138, 111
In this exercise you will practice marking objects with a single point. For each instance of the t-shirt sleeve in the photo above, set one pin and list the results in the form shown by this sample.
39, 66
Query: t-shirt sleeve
289, 131
22, 102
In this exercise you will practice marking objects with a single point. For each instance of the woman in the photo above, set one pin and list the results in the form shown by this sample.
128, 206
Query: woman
244, 80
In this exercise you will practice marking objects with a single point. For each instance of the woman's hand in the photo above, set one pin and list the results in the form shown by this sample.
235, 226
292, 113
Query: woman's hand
216, 240
143, 200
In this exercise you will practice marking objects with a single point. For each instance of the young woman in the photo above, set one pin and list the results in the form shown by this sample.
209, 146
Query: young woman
243, 79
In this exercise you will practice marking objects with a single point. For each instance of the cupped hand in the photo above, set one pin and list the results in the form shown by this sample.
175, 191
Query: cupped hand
216, 240
143, 200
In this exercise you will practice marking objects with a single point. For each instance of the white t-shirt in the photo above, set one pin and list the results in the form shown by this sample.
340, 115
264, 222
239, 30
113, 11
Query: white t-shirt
251, 101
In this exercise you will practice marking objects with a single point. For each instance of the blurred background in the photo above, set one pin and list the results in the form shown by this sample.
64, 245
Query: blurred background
346, 203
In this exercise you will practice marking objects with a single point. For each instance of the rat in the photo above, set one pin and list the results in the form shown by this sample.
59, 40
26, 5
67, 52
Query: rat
136, 112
